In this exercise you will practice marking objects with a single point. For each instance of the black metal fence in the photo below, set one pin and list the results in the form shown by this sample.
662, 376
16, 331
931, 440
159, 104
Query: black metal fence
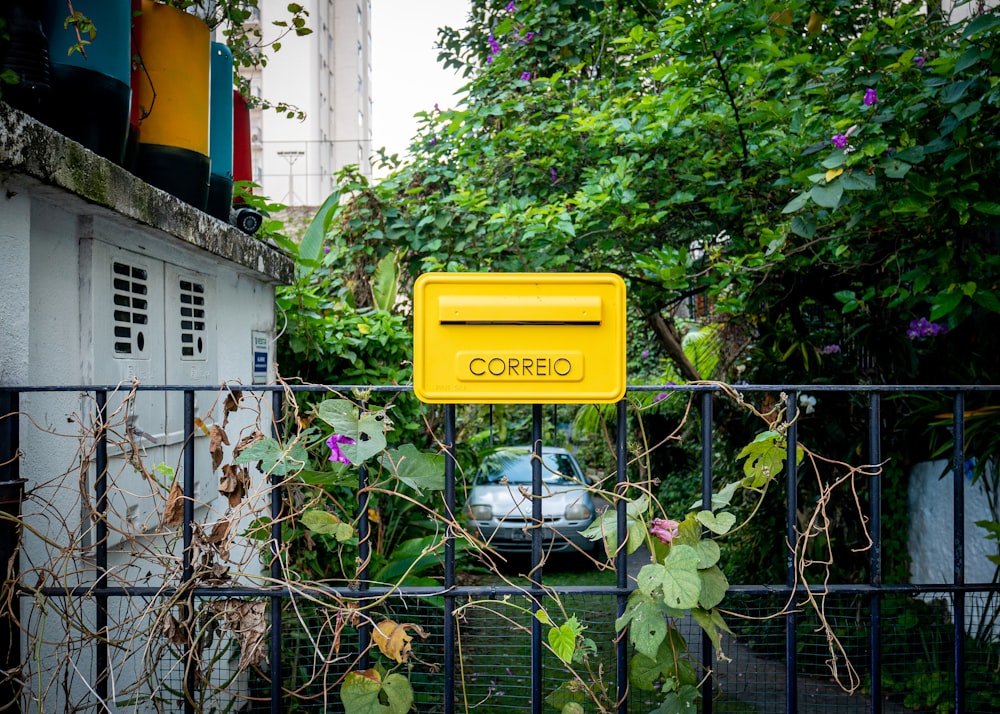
473, 661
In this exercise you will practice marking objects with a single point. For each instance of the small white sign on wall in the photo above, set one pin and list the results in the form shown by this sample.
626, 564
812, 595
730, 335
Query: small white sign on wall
260, 341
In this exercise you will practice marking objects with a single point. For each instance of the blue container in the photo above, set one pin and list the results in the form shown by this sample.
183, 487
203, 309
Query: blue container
220, 135
91, 96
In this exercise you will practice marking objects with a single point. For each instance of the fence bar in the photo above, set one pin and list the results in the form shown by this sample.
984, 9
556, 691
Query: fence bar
274, 663
707, 651
190, 668
364, 556
11, 495
791, 515
101, 551
449, 560
621, 557
535, 574
958, 517
875, 555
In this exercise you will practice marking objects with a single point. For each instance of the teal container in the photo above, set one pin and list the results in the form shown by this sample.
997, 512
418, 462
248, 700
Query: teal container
90, 99
220, 135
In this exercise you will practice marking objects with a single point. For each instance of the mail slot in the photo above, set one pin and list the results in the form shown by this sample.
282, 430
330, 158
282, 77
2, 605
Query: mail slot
522, 338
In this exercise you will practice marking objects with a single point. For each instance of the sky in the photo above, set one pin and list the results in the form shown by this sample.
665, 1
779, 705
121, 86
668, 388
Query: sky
406, 75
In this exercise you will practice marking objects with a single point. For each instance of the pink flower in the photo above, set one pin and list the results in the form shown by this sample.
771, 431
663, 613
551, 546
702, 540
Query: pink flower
664, 529
336, 455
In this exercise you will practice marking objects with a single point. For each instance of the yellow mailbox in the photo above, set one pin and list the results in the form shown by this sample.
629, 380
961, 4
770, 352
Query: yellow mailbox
519, 338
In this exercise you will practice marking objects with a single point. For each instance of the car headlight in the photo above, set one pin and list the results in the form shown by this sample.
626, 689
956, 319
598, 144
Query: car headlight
480, 512
577, 512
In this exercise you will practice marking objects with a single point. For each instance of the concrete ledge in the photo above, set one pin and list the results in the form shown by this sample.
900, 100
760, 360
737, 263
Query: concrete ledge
34, 150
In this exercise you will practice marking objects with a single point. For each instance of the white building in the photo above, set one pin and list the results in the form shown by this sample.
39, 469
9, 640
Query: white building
327, 74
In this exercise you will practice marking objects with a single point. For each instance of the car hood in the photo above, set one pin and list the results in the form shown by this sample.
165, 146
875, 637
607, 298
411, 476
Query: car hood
509, 499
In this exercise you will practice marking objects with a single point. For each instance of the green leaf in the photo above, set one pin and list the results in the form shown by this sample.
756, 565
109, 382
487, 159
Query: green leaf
367, 430
325, 523
987, 207
723, 498
828, 195
804, 226
764, 459
273, 458
365, 692
944, 304
717, 523
708, 552
712, 623
416, 469
680, 702
894, 168
385, 282
643, 672
982, 23
645, 619
858, 181
797, 203
714, 587
606, 526
562, 639
312, 242
680, 581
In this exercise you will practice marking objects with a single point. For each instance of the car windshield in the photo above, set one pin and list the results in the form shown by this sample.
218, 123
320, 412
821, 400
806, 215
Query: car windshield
516, 467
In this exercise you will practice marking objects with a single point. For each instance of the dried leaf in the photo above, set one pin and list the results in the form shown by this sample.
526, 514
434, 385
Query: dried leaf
173, 512
216, 440
246, 620
173, 631
230, 405
234, 483
392, 640
246, 442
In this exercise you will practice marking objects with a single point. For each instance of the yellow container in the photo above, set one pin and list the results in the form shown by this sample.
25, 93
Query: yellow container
519, 338
174, 90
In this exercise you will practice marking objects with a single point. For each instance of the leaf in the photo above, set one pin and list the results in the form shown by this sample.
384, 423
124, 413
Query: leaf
708, 552
415, 468
325, 523
364, 692
367, 430
722, 498
764, 459
712, 623
385, 283
719, 524
606, 527
797, 203
858, 181
681, 584
982, 23
173, 512
714, 587
987, 207
273, 458
831, 174
646, 624
312, 241
234, 483
217, 437
803, 226
827, 196
393, 641
562, 639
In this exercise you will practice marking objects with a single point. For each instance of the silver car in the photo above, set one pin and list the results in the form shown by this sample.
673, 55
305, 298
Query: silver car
499, 503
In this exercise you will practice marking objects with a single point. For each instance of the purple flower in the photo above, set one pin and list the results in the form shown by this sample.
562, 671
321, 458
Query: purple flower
839, 140
553, 174
494, 45
511, 7
645, 353
871, 97
920, 61
526, 76
925, 328
829, 349
659, 397
326, 249
336, 455
664, 529
527, 38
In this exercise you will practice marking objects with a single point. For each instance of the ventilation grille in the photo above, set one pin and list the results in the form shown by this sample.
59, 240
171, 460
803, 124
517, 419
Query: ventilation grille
192, 319
130, 287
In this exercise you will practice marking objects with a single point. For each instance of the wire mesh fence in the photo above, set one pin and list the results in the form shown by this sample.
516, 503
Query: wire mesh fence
106, 608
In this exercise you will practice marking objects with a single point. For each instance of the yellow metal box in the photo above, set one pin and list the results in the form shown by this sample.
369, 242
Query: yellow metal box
519, 338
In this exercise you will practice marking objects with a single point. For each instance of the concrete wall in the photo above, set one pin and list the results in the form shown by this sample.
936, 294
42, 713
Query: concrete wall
67, 218
931, 508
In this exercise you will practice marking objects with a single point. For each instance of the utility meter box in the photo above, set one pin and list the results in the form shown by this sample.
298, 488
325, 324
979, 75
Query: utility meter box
519, 338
